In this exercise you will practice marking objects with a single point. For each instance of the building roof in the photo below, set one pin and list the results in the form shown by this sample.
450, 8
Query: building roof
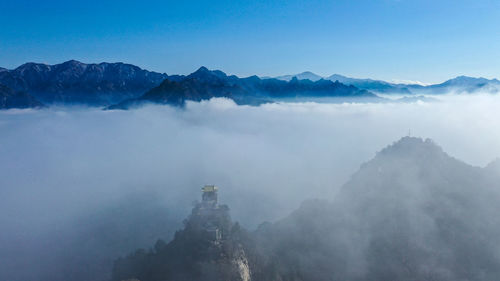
209, 188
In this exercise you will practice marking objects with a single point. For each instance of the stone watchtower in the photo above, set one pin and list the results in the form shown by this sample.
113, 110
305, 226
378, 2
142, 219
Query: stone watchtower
209, 197
210, 217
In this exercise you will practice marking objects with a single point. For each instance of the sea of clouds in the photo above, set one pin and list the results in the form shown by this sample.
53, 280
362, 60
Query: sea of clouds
62, 168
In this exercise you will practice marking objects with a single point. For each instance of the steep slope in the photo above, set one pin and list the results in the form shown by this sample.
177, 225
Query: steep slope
73, 82
411, 213
11, 99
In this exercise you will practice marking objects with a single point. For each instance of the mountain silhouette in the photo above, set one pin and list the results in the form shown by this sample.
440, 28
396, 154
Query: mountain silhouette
73, 82
204, 84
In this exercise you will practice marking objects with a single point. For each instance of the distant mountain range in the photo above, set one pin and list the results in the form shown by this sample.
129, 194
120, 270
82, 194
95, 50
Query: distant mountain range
464, 84
120, 85
205, 84
461, 84
367, 84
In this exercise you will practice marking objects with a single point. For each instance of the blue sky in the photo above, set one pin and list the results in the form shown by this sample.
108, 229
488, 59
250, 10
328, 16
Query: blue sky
422, 40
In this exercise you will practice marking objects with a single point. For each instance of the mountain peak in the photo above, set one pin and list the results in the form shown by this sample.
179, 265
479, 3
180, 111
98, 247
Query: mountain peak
204, 73
306, 75
412, 142
465, 80
72, 62
337, 76
31, 65
219, 251
412, 147
202, 69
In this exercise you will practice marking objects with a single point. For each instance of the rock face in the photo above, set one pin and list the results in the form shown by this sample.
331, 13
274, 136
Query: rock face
210, 247
73, 82
11, 99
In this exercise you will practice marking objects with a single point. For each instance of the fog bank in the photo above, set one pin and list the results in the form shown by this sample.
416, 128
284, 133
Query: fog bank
65, 170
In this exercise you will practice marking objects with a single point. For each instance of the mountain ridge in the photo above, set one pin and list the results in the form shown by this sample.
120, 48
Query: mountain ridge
74, 82
204, 84
122, 85
460, 84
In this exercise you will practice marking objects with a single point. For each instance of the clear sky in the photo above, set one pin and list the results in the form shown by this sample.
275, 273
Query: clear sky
422, 40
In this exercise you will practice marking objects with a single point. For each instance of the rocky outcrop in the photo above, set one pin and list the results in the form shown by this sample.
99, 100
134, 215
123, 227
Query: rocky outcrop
240, 262
210, 247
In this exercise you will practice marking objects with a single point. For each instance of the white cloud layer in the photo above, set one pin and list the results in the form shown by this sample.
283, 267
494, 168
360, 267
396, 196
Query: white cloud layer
57, 164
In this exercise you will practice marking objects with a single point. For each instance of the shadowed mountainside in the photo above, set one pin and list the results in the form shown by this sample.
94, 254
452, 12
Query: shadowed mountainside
73, 82
205, 84
411, 213
12, 99
121, 86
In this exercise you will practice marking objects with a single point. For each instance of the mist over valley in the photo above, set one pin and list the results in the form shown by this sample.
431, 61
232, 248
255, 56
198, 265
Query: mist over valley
319, 140
82, 187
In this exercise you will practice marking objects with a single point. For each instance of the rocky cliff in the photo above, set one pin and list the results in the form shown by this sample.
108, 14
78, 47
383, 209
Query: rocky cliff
210, 247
